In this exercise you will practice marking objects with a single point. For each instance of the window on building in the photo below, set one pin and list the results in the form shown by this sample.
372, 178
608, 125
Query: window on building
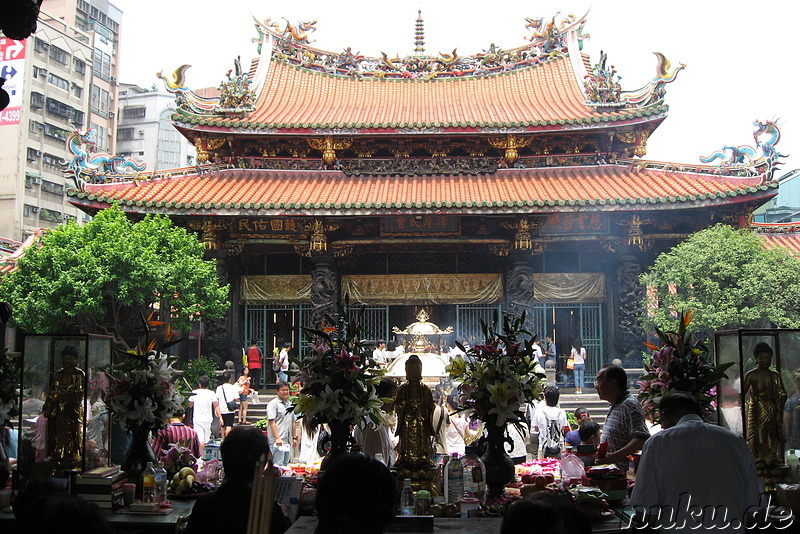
80, 66
41, 46
69, 218
77, 90
37, 100
59, 55
58, 81
124, 134
138, 112
100, 135
52, 188
50, 215
34, 154
39, 72
102, 64
35, 126
55, 132
51, 160
29, 211
78, 117
58, 108
100, 100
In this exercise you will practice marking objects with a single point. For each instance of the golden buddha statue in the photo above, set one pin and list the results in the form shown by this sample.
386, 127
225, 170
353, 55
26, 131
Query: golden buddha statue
63, 410
414, 408
766, 397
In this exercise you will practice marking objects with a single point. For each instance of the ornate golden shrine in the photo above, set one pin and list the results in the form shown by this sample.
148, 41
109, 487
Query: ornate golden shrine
420, 330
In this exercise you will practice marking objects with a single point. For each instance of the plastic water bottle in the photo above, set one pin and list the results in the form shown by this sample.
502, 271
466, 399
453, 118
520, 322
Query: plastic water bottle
407, 498
454, 480
161, 483
379, 457
474, 475
149, 484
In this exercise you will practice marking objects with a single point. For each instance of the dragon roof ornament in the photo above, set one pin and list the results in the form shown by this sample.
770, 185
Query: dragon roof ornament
764, 156
292, 44
603, 89
95, 167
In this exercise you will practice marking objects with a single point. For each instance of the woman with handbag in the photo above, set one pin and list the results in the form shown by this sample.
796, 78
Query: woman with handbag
578, 356
244, 391
227, 395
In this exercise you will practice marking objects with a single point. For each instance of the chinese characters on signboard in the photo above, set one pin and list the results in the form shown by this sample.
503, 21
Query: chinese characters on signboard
12, 68
420, 224
575, 223
286, 228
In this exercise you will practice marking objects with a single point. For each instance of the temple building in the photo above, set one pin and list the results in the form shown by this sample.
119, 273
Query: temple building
508, 180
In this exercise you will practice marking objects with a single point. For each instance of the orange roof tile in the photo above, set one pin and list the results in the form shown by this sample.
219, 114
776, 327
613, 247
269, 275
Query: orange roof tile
544, 95
603, 187
785, 235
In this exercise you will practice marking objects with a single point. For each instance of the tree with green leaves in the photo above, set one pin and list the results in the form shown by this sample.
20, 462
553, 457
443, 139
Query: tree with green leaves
727, 279
97, 275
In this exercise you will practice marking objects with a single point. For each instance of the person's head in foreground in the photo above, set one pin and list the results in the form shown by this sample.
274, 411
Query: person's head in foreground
676, 405
355, 495
545, 513
240, 451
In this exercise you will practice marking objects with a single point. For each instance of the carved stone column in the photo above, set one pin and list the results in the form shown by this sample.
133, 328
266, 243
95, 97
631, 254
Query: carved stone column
324, 288
519, 284
629, 294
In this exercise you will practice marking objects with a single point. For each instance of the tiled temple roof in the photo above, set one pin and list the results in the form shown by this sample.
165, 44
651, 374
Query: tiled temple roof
330, 192
541, 97
786, 235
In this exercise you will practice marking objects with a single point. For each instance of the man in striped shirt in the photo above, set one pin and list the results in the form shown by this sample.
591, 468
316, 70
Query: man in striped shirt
176, 433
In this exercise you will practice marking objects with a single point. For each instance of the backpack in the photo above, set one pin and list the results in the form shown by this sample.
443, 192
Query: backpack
553, 441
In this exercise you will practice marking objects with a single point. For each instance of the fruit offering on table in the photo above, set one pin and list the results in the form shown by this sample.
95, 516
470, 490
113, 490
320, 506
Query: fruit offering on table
184, 483
592, 501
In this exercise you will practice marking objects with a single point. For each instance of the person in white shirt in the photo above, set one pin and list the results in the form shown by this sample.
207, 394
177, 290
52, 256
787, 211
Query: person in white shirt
282, 431
578, 355
551, 424
537, 352
694, 476
379, 354
283, 363
226, 393
203, 403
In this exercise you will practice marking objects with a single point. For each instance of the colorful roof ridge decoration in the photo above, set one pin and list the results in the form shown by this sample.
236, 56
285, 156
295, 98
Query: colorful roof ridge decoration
86, 164
542, 85
764, 157
786, 235
331, 192
8, 263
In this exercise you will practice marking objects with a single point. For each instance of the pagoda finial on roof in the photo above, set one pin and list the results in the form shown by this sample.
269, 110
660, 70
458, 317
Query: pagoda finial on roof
419, 35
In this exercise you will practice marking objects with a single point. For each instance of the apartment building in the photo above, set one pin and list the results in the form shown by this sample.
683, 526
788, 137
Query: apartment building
145, 131
61, 77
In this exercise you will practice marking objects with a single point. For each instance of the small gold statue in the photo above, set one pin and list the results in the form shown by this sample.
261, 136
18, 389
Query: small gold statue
766, 397
63, 410
414, 408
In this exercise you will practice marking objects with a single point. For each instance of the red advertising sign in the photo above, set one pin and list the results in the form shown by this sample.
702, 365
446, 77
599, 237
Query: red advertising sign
12, 68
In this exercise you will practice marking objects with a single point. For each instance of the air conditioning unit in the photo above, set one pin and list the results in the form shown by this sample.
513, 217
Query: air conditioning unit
141, 133
35, 180
67, 217
38, 153
34, 209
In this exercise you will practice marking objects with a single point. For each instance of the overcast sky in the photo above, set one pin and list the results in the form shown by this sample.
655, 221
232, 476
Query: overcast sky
741, 56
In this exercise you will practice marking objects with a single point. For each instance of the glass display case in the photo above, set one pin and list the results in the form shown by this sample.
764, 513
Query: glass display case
738, 346
64, 424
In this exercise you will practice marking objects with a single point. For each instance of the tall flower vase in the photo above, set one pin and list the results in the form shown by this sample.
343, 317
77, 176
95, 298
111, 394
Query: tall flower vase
499, 466
339, 436
139, 453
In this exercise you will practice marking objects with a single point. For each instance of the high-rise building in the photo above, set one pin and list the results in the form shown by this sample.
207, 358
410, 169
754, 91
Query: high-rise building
48, 79
61, 78
145, 131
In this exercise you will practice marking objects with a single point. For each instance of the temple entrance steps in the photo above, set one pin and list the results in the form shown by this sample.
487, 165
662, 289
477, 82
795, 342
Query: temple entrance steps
597, 408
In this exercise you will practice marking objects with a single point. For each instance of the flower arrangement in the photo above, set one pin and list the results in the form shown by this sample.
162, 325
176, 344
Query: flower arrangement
177, 457
9, 387
339, 375
679, 364
140, 391
500, 374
